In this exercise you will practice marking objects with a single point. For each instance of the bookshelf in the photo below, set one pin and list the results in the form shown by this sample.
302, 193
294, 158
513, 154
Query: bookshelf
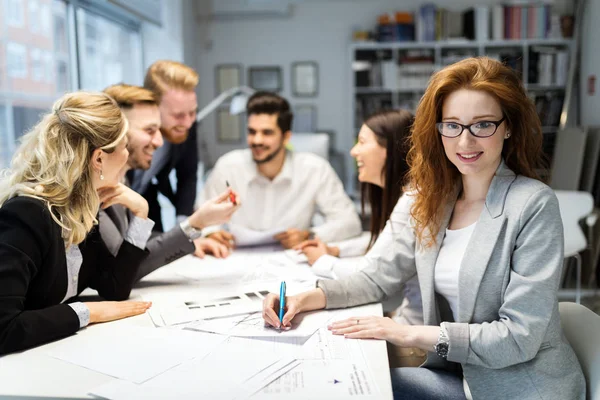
395, 74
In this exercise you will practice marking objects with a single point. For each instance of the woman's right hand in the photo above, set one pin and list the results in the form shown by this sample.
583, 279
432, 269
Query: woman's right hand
313, 249
307, 301
215, 211
105, 311
125, 196
223, 237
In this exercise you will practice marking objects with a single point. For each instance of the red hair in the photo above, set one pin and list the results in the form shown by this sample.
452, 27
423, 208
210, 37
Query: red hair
431, 173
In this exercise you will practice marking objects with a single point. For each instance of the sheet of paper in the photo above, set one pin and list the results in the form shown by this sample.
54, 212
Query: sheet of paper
266, 377
142, 353
253, 325
323, 379
178, 311
296, 256
220, 375
324, 345
217, 271
249, 237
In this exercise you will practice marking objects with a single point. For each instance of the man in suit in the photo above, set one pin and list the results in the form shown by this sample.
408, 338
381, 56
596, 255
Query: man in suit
144, 138
173, 85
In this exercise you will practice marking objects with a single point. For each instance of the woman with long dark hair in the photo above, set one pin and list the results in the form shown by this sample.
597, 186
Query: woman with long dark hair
380, 153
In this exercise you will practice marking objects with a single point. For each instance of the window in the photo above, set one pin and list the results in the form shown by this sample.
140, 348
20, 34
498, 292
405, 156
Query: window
46, 19
33, 61
109, 52
16, 60
36, 64
37, 67
15, 13
33, 18
5, 146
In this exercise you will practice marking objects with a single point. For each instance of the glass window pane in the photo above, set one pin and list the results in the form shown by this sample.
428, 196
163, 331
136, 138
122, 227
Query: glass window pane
109, 52
34, 47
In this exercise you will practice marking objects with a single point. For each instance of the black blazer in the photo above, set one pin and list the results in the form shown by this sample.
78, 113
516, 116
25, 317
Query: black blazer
184, 159
33, 275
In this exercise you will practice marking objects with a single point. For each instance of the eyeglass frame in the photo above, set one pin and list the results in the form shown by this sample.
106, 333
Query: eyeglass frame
438, 125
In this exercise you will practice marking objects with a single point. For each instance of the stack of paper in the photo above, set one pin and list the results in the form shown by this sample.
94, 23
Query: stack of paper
234, 370
142, 353
323, 380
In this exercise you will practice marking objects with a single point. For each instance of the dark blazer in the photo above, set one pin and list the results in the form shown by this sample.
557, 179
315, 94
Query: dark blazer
183, 158
163, 248
33, 275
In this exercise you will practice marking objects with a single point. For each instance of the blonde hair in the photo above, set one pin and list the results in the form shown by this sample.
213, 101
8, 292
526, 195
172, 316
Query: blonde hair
164, 75
53, 164
128, 96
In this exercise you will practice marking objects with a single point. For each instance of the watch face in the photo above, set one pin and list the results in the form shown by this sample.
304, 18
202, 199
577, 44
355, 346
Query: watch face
442, 349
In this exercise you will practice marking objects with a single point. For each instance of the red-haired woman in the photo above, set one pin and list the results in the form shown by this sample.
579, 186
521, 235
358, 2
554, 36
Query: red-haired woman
484, 236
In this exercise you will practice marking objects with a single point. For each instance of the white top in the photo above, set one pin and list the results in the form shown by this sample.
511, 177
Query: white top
306, 185
448, 263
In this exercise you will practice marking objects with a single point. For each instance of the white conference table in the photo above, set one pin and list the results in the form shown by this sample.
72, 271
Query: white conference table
34, 374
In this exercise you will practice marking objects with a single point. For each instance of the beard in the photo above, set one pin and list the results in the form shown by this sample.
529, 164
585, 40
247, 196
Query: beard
268, 157
174, 137
137, 158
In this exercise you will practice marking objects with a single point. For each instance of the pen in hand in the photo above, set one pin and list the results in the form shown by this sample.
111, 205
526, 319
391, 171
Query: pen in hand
231, 195
281, 303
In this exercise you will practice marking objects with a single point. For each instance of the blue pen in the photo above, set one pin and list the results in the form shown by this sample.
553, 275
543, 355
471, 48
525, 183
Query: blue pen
281, 301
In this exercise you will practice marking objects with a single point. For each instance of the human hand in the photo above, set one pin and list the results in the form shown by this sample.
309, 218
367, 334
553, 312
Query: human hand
291, 237
384, 328
312, 249
121, 194
215, 211
206, 246
104, 311
312, 300
271, 310
223, 237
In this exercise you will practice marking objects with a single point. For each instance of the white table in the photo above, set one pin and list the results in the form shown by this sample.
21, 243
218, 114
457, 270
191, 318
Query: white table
34, 373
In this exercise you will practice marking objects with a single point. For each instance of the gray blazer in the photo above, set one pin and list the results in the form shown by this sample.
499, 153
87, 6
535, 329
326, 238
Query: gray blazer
163, 248
508, 337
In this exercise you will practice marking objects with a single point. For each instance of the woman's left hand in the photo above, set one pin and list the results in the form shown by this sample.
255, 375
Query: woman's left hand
372, 327
384, 328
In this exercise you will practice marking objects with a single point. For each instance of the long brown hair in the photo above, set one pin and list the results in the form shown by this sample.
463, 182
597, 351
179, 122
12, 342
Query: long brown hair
432, 175
392, 130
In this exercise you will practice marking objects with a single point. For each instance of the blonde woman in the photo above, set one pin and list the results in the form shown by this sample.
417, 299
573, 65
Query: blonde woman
49, 249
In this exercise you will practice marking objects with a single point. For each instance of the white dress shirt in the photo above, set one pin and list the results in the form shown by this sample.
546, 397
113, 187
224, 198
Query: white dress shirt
137, 234
306, 185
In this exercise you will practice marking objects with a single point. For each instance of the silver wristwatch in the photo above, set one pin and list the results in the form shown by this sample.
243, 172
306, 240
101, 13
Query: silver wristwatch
443, 343
189, 231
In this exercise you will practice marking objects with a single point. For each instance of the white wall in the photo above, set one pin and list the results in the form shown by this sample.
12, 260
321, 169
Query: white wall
316, 30
166, 41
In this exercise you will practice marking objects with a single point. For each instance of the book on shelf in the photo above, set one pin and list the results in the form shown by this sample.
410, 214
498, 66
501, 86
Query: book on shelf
500, 22
548, 66
549, 107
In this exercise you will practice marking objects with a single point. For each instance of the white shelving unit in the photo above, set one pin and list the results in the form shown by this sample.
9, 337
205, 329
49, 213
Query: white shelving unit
439, 49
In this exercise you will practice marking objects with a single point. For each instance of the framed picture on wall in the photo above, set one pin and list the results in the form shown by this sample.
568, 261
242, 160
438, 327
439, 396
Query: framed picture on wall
305, 118
228, 76
265, 78
229, 127
305, 79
